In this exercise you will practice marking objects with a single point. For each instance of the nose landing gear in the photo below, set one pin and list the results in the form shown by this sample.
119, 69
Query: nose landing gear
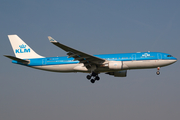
95, 75
158, 69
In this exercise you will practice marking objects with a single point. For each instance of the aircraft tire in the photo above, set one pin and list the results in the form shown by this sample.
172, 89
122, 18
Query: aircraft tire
97, 78
88, 77
158, 73
92, 81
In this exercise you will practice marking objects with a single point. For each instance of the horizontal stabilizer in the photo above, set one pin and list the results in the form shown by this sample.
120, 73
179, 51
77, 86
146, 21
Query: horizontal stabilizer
17, 59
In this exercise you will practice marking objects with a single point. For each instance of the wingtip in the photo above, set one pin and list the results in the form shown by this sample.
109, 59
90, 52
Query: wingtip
5, 55
51, 39
8, 56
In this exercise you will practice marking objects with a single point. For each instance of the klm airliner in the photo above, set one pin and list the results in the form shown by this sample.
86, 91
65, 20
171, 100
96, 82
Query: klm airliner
77, 61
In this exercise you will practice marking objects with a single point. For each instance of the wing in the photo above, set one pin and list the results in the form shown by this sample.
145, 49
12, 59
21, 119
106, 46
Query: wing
78, 55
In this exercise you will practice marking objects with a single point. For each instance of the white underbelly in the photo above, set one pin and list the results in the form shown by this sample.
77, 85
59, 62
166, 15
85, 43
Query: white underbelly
126, 65
146, 64
63, 68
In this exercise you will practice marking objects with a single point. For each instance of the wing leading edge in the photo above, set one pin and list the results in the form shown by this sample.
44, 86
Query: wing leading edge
82, 57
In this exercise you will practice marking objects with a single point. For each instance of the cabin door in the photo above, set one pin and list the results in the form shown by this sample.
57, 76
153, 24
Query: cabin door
159, 56
133, 57
43, 61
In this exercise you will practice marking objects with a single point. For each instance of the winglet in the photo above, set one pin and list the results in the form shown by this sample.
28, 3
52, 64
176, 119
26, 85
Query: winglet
51, 39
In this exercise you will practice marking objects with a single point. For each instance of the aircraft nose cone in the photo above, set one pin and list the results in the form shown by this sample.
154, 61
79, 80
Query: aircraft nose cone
174, 60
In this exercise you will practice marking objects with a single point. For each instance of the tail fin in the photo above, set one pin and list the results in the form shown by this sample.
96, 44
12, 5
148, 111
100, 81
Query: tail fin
21, 49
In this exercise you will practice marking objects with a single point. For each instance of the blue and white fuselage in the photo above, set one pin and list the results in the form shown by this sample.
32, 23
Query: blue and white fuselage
141, 60
77, 61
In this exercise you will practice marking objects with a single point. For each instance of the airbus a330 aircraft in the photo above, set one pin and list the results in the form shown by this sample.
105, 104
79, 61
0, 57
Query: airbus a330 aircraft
77, 61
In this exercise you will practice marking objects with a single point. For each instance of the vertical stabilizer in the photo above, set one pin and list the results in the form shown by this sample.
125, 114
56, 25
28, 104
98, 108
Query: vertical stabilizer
21, 49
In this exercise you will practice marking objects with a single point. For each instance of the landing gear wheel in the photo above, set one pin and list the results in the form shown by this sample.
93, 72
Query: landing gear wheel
158, 68
93, 74
88, 77
92, 81
97, 78
93, 77
158, 73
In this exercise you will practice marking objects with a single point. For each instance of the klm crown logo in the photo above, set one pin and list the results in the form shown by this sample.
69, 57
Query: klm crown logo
51, 40
22, 49
146, 55
22, 46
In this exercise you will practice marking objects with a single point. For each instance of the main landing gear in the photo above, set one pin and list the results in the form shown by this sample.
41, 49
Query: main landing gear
158, 69
95, 77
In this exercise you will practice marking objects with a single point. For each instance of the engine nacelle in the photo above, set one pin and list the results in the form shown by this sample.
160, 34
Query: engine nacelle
122, 73
115, 65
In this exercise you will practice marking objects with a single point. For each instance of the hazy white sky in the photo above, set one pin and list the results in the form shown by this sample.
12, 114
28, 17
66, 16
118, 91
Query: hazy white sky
95, 27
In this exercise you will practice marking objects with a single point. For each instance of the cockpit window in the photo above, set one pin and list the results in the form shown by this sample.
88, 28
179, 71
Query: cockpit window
169, 55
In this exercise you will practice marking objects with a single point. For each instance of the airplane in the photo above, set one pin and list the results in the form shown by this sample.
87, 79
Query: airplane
77, 61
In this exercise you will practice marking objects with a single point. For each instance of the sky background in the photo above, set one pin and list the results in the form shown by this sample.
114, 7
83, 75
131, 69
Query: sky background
94, 27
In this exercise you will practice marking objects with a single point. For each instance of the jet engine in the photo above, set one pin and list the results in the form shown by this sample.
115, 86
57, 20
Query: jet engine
122, 73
